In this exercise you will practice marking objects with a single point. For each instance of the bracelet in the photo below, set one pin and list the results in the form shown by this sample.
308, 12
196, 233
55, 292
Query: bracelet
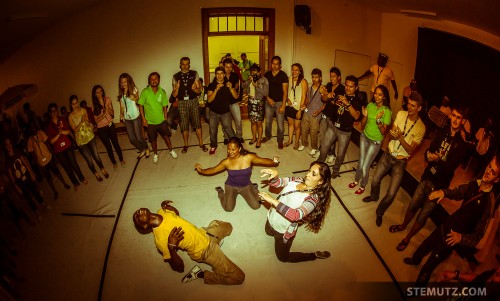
172, 245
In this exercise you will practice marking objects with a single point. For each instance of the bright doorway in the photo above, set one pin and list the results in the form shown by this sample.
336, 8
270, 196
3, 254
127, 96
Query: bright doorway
236, 30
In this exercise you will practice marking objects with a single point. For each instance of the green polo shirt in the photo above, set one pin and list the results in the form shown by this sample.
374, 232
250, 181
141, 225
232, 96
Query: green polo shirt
153, 104
372, 131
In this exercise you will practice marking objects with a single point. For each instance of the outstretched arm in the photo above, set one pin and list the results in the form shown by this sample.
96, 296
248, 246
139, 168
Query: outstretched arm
367, 74
212, 170
256, 160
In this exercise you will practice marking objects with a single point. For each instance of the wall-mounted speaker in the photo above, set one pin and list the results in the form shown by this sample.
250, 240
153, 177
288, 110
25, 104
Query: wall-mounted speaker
303, 17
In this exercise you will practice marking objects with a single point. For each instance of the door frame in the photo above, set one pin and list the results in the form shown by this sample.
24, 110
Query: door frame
269, 31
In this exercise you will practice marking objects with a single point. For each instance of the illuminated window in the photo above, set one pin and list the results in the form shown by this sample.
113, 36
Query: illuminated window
235, 23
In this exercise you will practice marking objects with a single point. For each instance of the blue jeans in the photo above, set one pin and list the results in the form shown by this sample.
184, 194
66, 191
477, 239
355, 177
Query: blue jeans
226, 121
368, 150
134, 132
280, 120
109, 137
324, 124
88, 152
397, 168
331, 135
236, 114
420, 200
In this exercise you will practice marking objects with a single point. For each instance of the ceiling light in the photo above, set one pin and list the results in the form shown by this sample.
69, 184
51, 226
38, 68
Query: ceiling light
418, 13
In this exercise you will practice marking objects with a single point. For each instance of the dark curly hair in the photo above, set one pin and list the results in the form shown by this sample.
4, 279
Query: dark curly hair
237, 141
316, 218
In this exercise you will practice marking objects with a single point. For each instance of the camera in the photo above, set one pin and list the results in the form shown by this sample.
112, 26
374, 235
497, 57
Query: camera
255, 77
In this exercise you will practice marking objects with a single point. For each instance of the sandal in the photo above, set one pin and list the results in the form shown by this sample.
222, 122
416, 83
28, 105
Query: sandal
184, 149
395, 228
288, 143
203, 148
258, 144
252, 141
402, 245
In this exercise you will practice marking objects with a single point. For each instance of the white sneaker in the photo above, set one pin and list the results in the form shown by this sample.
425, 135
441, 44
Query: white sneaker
155, 158
301, 148
313, 152
141, 154
173, 154
329, 159
192, 275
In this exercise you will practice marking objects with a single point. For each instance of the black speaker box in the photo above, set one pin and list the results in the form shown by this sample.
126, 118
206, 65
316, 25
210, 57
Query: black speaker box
302, 15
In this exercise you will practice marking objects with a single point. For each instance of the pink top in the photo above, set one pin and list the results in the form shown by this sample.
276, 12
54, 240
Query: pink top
106, 121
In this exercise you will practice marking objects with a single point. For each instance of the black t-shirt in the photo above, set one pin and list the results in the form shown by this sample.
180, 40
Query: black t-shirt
329, 108
342, 118
276, 84
223, 98
452, 150
186, 82
234, 80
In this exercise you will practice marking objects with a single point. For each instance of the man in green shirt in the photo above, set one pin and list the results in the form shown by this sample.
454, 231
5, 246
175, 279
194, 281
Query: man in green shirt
153, 107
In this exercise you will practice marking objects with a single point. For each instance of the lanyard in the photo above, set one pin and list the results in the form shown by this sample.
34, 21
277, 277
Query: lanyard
406, 134
379, 72
310, 92
293, 89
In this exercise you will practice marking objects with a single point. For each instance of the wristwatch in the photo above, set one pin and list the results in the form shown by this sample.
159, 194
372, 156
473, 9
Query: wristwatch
379, 121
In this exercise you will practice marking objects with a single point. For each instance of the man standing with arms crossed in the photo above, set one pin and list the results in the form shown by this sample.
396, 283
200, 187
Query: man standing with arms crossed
186, 88
153, 107
276, 101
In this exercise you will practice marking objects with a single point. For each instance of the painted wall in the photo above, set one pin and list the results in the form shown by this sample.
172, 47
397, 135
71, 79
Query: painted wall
97, 45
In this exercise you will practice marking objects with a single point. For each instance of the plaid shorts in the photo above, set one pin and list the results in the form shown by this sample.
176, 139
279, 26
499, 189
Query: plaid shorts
188, 111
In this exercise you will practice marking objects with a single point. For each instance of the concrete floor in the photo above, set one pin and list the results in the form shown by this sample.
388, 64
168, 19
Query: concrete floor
67, 257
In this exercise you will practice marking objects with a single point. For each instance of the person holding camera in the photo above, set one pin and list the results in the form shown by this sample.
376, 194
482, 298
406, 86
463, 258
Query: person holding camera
346, 110
256, 88
220, 94
334, 87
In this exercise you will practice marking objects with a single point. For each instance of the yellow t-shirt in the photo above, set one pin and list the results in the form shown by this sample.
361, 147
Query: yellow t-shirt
195, 239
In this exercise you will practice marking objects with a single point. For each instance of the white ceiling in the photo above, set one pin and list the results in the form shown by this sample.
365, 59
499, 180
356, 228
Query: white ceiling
21, 21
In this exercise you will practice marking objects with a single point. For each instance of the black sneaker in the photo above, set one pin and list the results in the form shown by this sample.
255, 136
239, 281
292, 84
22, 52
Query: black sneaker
322, 254
368, 199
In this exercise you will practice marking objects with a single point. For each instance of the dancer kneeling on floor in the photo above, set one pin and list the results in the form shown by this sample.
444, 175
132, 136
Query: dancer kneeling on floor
302, 200
238, 164
172, 233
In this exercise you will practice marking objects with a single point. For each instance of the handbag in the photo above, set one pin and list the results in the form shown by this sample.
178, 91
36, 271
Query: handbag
84, 133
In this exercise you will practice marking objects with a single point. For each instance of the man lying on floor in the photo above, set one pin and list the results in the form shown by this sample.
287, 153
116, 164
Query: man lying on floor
172, 232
